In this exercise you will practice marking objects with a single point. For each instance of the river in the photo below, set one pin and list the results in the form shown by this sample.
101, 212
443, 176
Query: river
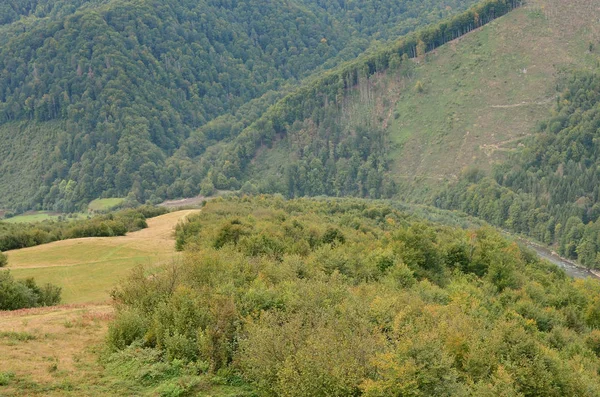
568, 266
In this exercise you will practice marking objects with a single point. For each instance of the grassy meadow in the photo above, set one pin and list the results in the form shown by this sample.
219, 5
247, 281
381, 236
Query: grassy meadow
105, 204
53, 351
40, 216
484, 93
88, 268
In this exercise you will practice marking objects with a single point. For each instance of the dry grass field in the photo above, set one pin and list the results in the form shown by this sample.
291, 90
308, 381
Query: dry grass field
48, 351
53, 351
88, 268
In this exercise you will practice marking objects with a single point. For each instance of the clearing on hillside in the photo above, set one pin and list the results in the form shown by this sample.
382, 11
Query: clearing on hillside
88, 268
105, 204
483, 94
40, 216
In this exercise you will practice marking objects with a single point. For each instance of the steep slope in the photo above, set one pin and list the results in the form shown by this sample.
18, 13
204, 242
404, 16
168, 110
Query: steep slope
485, 93
550, 190
123, 83
416, 124
333, 136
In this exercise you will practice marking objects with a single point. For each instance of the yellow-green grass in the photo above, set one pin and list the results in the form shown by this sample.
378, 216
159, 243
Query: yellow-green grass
39, 216
484, 94
88, 268
54, 351
48, 351
105, 204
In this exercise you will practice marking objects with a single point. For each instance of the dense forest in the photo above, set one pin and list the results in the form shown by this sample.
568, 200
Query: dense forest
113, 89
550, 190
346, 297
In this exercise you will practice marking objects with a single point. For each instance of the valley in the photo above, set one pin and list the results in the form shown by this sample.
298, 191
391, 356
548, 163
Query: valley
300, 198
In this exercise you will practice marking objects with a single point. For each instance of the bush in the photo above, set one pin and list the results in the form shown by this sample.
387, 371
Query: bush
24, 294
49, 295
128, 327
3, 260
5, 378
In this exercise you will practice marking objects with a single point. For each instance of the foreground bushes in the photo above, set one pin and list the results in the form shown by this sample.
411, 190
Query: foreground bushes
24, 294
347, 298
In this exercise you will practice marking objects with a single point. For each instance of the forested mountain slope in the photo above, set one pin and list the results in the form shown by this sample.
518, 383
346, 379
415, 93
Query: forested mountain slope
489, 103
331, 135
107, 91
468, 103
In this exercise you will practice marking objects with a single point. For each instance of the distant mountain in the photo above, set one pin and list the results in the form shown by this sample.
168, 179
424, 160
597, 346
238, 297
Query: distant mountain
96, 96
335, 135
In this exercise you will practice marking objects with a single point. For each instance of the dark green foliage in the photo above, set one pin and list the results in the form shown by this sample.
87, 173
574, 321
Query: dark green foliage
550, 190
15, 236
171, 99
397, 306
3, 259
230, 233
333, 236
17, 294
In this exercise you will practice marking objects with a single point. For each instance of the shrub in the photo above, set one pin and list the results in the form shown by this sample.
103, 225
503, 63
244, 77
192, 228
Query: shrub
24, 294
49, 295
128, 327
15, 295
231, 233
3, 260
5, 378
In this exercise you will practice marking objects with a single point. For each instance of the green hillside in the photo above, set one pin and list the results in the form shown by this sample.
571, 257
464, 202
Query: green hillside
468, 103
354, 298
304, 297
484, 94
331, 135
108, 91
550, 189
488, 103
